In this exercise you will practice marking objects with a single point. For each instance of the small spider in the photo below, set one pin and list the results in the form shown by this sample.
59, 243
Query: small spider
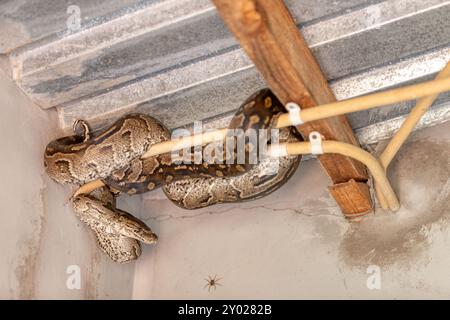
212, 282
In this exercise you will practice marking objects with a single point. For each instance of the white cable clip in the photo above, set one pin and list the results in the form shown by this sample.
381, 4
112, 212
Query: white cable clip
294, 113
316, 142
278, 150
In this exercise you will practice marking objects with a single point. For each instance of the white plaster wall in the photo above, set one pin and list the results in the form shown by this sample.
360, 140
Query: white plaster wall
295, 243
39, 235
291, 244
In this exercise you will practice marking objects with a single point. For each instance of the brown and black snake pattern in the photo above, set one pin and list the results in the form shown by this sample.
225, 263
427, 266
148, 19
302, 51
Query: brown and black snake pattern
114, 156
140, 176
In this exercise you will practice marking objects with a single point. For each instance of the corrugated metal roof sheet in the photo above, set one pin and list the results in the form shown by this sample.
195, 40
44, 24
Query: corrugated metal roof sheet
175, 60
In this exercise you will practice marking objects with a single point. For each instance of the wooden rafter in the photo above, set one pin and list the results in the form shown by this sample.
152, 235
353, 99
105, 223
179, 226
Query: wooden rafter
269, 36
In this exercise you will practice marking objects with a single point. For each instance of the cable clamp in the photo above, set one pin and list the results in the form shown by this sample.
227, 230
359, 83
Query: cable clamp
316, 142
278, 150
294, 113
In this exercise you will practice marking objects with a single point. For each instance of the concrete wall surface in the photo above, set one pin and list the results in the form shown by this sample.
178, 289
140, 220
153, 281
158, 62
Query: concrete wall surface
176, 61
296, 244
40, 237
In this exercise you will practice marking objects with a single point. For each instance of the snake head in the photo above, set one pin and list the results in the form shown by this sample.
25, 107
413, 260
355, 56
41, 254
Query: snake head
138, 230
146, 236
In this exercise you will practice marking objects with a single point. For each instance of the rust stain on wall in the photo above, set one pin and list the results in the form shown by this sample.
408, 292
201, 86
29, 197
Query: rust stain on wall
28, 263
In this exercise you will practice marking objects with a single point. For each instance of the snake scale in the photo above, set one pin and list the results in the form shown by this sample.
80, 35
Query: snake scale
114, 155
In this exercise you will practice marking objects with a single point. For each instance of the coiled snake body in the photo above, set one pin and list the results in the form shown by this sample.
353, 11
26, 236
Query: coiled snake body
114, 156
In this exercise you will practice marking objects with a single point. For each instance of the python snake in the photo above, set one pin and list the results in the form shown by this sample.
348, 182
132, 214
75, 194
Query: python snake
114, 156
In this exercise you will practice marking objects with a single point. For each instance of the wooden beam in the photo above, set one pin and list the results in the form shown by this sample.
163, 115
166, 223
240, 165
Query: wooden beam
353, 198
269, 36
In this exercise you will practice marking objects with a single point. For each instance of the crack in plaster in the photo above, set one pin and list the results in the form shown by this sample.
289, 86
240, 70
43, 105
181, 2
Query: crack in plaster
303, 212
